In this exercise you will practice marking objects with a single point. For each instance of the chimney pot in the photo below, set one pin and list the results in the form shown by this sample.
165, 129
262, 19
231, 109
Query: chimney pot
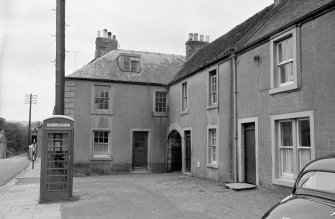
114, 37
105, 33
195, 36
207, 38
190, 36
98, 33
109, 35
201, 37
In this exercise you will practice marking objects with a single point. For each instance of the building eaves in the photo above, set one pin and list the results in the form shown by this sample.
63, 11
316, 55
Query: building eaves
306, 13
220, 48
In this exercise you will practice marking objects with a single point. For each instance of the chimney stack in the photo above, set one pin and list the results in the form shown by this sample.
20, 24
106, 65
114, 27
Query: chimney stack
194, 44
105, 44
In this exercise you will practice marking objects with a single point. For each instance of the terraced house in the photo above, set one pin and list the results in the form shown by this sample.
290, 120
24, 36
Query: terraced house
254, 105
258, 103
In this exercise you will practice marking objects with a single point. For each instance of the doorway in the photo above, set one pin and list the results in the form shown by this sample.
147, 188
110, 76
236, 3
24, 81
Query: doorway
249, 153
140, 150
174, 154
188, 154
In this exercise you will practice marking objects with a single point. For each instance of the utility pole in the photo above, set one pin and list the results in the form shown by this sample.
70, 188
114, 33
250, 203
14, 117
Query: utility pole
30, 99
60, 57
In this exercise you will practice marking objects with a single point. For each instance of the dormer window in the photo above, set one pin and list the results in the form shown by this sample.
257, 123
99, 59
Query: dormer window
130, 63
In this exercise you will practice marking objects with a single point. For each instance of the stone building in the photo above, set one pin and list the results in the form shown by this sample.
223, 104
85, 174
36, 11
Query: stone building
119, 104
257, 104
252, 106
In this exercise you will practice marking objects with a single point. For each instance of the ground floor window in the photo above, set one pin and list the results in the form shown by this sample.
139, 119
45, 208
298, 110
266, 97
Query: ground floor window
293, 143
100, 147
212, 146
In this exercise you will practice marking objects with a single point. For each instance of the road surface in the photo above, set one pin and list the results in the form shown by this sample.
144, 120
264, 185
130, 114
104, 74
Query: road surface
12, 166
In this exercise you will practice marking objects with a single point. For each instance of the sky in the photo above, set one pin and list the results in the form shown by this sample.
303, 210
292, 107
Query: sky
28, 43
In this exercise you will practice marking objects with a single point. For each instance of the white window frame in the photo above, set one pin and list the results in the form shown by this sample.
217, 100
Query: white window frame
184, 97
277, 175
157, 113
213, 88
107, 87
101, 156
210, 162
276, 87
94, 110
132, 59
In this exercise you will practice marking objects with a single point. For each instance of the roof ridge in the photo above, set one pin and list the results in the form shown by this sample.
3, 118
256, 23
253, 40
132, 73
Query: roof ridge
160, 53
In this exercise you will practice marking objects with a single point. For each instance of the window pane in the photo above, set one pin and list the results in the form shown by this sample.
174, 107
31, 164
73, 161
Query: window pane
280, 52
304, 157
304, 133
134, 65
289, 49
286, 134
287, 161
323, 181
126, 63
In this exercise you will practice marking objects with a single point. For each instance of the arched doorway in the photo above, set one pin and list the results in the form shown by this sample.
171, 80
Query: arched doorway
174, 155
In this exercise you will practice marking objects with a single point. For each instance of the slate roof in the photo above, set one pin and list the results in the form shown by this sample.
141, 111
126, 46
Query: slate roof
220, 47
262, 25
156, 68
286, 14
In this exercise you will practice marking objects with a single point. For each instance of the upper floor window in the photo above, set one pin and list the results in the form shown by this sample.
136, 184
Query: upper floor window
160, 102
283, 62
213, 95
101, 98
184, 96
130, 63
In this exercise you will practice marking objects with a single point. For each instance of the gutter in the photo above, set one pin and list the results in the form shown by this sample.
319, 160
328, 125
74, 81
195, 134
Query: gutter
235, 136
118, 81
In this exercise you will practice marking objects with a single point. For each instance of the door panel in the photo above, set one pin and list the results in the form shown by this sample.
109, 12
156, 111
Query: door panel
188, 150
250, 155
58, 165
140, 150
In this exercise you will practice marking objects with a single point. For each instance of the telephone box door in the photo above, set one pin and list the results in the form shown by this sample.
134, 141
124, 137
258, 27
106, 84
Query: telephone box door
57, 153
58, 164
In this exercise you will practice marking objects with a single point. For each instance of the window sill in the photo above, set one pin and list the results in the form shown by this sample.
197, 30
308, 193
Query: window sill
184, 112
283, 89
105, 158
213, 106
288, 182
101, 112
159, 114
213, 165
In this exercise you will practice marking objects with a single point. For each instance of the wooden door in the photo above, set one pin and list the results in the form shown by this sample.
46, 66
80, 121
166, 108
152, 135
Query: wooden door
188, 150
249, 155
140, 150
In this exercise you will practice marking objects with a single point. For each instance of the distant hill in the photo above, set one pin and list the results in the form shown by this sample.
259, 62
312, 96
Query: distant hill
34, 124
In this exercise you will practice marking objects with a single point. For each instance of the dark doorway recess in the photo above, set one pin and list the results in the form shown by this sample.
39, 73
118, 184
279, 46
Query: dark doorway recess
250, 155
174, 154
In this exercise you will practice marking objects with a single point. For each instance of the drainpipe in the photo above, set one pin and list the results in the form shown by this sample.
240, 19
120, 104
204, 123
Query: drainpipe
234, 72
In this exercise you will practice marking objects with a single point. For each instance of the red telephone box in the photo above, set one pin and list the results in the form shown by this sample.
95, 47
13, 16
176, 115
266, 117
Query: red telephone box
57, 159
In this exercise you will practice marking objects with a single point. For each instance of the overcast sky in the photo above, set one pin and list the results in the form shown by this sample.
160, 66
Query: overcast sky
28, 46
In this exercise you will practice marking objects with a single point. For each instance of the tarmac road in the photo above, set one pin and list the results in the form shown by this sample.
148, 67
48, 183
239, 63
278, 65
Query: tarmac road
12, 166
163, 196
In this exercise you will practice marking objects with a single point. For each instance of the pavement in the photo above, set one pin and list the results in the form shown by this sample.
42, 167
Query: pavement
135, 196
11, 166
19, 198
